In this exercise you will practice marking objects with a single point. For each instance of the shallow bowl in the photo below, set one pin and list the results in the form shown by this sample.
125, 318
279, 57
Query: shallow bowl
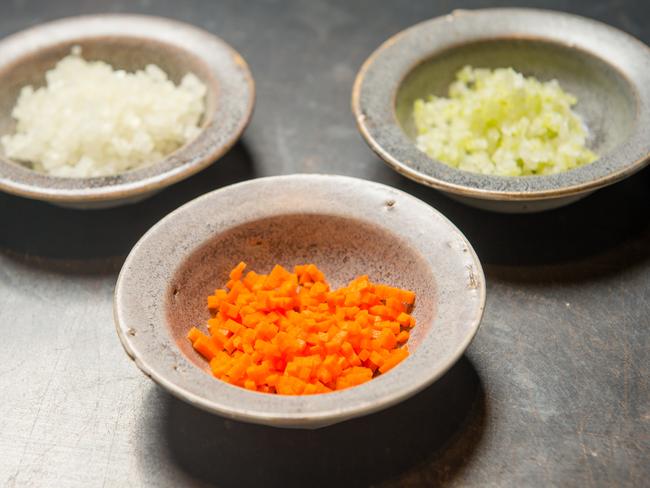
127, 42
606, 69
347, 227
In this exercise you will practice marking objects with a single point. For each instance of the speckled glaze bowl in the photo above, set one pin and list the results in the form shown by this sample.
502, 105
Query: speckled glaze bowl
607, 70
347, 227
129, 42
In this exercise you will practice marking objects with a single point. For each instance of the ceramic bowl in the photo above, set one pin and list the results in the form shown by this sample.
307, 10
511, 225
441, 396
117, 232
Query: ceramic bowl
607, 70
347, 227
129, 42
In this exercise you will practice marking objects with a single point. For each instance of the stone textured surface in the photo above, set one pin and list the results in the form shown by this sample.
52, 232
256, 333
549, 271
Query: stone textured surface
553, 391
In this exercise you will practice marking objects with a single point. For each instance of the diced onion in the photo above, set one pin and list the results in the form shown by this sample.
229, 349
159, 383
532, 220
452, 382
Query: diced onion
92, 120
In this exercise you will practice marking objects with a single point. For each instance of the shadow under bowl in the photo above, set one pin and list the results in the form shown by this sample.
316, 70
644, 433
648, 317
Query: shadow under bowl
128, 42
607, 71
347, 227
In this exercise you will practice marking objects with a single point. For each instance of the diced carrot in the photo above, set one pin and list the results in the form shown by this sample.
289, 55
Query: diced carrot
213, 302
394, 359
395, 304
387, 339
403, 336
194, 334
376, 358
407, 297
229, 310
404, 319
250, 279
205, 347
288, 333
219, 340
237, 271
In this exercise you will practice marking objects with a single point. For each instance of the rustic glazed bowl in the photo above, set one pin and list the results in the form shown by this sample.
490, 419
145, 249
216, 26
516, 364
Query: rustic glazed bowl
607, 70
128, 42
347, 227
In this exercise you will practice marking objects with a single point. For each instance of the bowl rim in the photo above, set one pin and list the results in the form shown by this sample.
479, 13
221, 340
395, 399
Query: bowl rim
279, 410
377, 122
227, 71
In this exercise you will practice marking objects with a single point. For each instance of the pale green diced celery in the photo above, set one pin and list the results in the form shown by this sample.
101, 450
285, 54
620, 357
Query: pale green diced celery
500, 122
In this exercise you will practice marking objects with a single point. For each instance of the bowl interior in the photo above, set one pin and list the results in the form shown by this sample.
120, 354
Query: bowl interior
606, 99
127, 53
342, 248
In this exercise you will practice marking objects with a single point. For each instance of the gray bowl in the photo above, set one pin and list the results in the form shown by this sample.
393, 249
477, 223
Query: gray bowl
129, 42
606, 69
344, 225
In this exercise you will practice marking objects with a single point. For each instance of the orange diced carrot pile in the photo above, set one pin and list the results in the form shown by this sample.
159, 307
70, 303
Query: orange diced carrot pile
288, 333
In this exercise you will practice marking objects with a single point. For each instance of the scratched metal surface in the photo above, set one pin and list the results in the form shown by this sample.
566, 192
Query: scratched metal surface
553, 391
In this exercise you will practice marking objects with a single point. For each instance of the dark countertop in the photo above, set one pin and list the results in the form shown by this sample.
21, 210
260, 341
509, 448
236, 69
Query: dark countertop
552, 392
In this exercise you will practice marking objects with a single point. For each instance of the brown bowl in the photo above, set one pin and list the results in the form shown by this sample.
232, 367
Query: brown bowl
128, 42
347, 227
